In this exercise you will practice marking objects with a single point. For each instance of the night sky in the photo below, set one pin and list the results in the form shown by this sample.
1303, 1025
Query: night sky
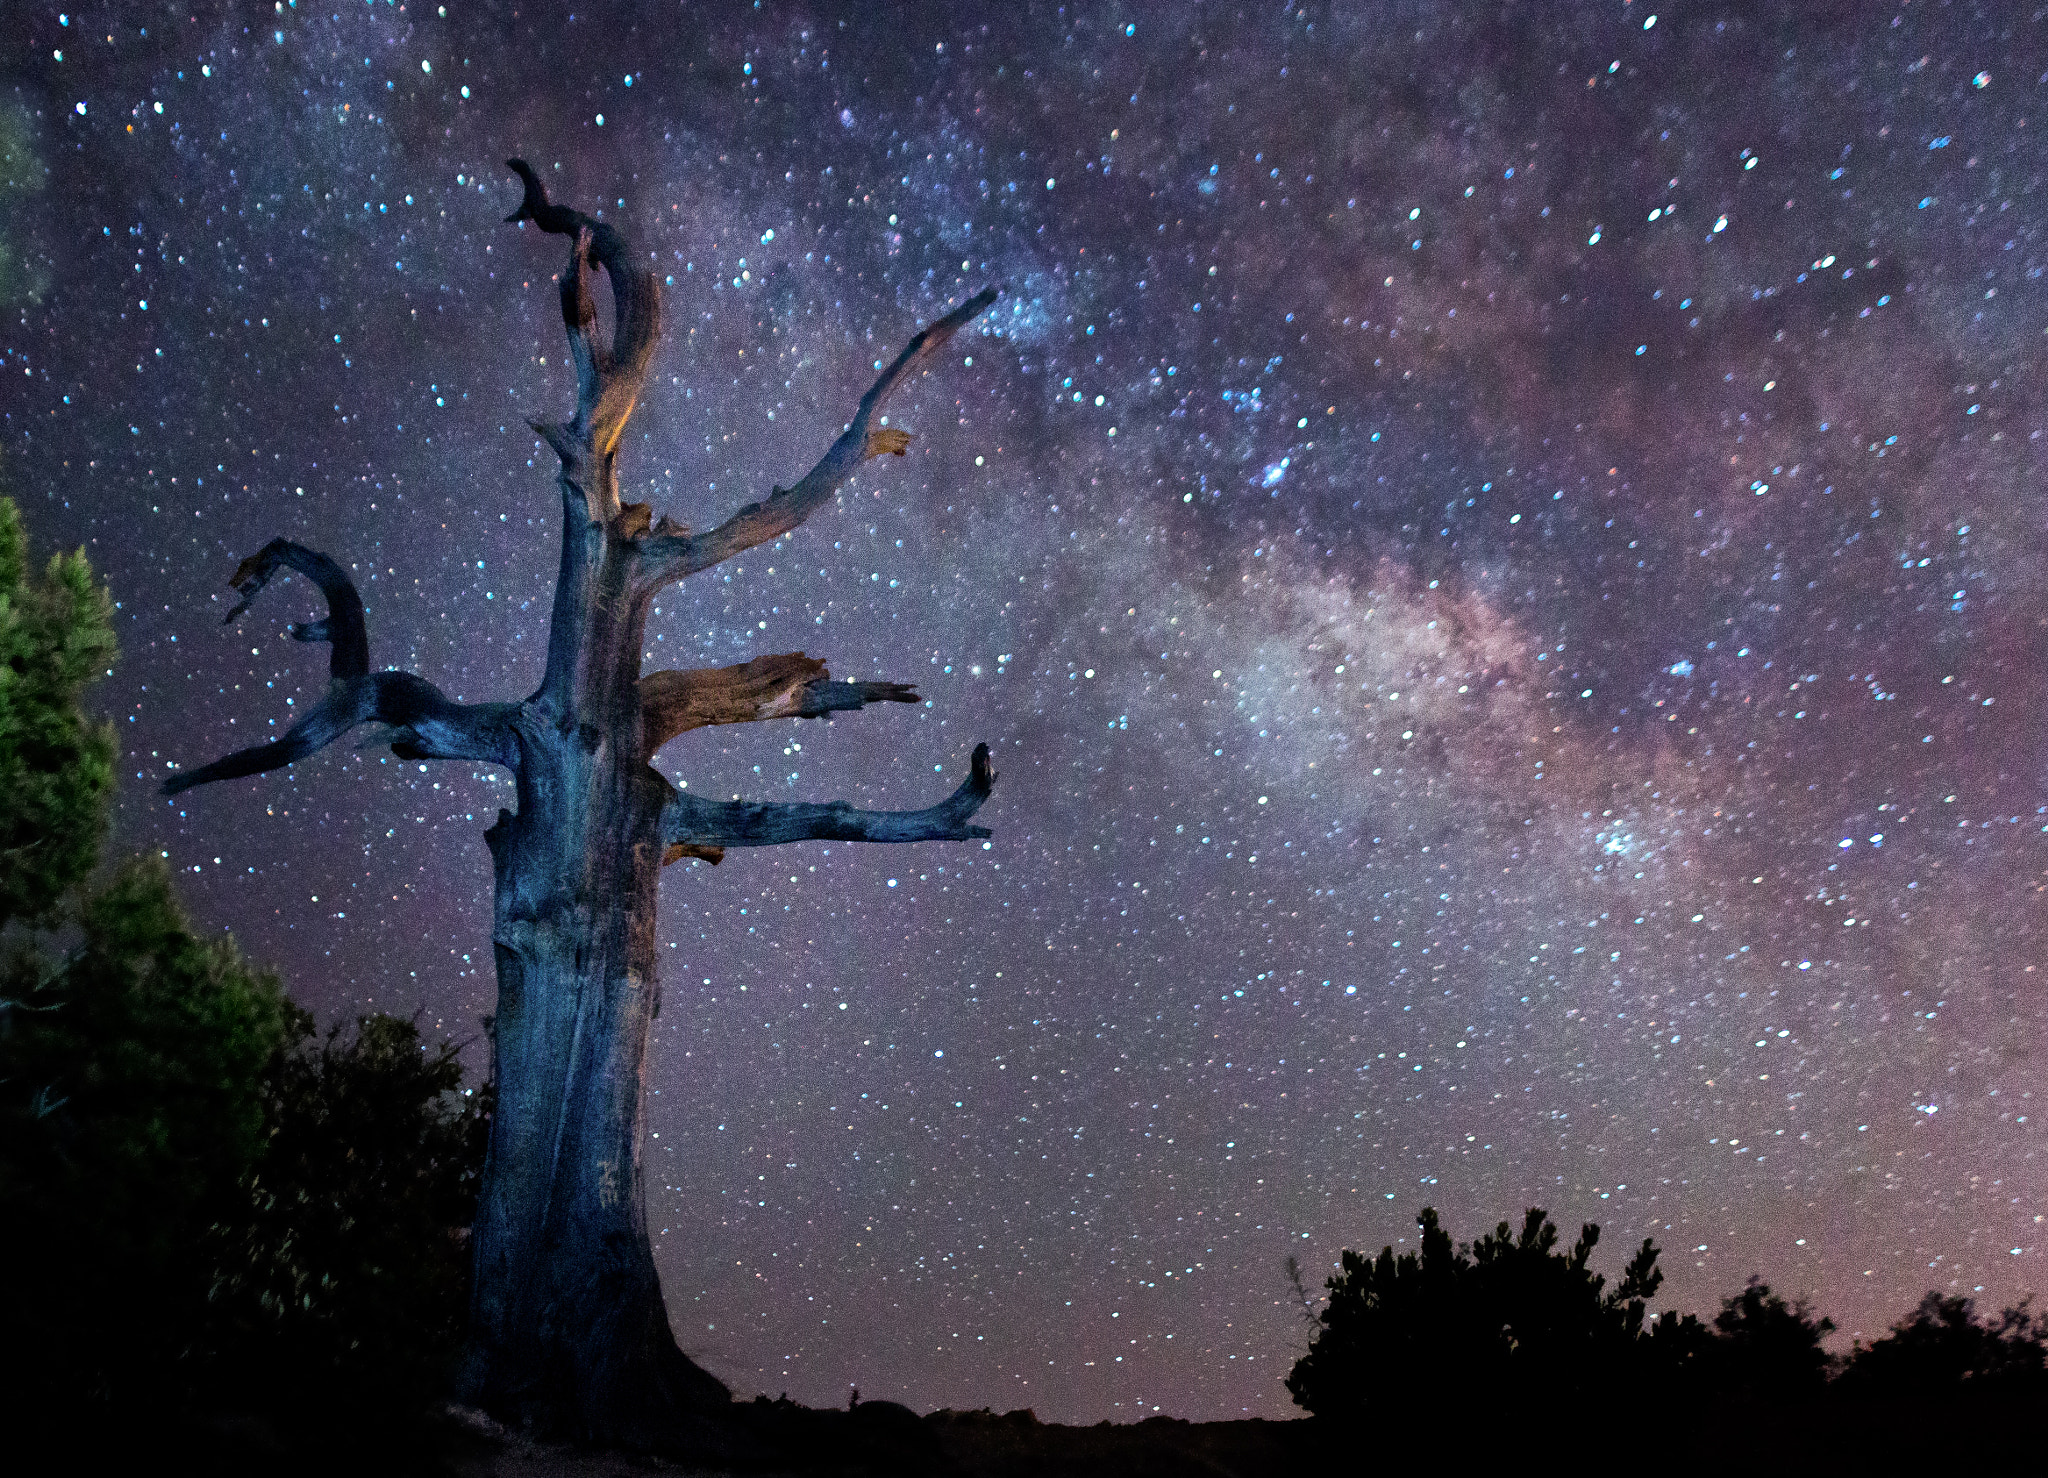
1499, 550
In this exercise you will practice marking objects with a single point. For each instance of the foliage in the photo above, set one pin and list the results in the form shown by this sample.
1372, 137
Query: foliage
1510, 1313
343, 1270
1943, 1349
129, 1065
56, 763
133, 1103
222, 1208
1410, 1341
1768, 1348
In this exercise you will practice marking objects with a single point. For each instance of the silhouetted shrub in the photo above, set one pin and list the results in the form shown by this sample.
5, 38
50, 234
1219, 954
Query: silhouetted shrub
1768, 1349
1511, 1315
1514, 1335
134, 1104
222, 1211
341, 1275
1943, 1350
203, 1207
131, 1049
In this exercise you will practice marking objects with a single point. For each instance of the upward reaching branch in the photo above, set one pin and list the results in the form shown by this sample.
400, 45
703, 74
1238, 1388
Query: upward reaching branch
343, 627
608, 376
668, 558
592, 637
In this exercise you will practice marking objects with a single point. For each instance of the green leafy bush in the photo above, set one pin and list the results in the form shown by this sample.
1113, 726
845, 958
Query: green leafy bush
56, 762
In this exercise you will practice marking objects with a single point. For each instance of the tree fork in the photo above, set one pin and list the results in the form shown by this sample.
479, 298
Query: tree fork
569, 1334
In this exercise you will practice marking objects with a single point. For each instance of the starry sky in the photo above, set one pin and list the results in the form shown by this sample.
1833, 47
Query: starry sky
1499, 550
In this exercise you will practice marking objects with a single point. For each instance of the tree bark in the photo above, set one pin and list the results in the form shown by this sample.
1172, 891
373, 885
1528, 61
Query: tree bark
569, 1334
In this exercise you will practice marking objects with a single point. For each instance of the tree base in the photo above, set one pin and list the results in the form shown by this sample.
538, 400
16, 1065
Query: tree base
665, 1403
758, 1436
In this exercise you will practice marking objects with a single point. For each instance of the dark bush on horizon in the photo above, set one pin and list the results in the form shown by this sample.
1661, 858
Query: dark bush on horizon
1525, 1324
222, 1211
1528, 1323
131, 1049
1510, 1314
1767, 1349
132, 1072
1944, 1350
341, 1275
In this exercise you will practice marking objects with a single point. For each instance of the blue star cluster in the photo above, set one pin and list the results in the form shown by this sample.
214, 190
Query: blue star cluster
1498, 550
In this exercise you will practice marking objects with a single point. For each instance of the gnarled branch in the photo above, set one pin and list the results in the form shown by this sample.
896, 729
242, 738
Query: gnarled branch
668, 558
608, 376
426, 723
693, 826
343, 626
788, 685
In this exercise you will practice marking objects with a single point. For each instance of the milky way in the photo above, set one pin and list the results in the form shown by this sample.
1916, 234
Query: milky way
1499, 551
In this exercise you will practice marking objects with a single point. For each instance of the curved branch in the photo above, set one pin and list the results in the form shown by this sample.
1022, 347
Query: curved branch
608, 376
344, 624
346, 705
789, 685
425, 724
693, 826
669, 558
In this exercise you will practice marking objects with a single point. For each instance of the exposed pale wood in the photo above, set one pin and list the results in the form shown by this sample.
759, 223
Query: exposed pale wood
608, 375
789, 685
677, 851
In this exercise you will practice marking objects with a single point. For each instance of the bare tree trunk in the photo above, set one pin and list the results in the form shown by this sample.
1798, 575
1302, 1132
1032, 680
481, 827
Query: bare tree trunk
569, 1334
568, 1329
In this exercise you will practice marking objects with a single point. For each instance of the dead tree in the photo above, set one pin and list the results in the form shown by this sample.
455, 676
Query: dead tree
568, 1329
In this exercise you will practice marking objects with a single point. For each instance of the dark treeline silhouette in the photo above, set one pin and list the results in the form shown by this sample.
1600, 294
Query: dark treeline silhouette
1509, 1312
301, 1281
1514, 1334
213, 1216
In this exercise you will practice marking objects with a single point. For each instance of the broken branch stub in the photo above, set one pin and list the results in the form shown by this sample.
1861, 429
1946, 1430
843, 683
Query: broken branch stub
790, 685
